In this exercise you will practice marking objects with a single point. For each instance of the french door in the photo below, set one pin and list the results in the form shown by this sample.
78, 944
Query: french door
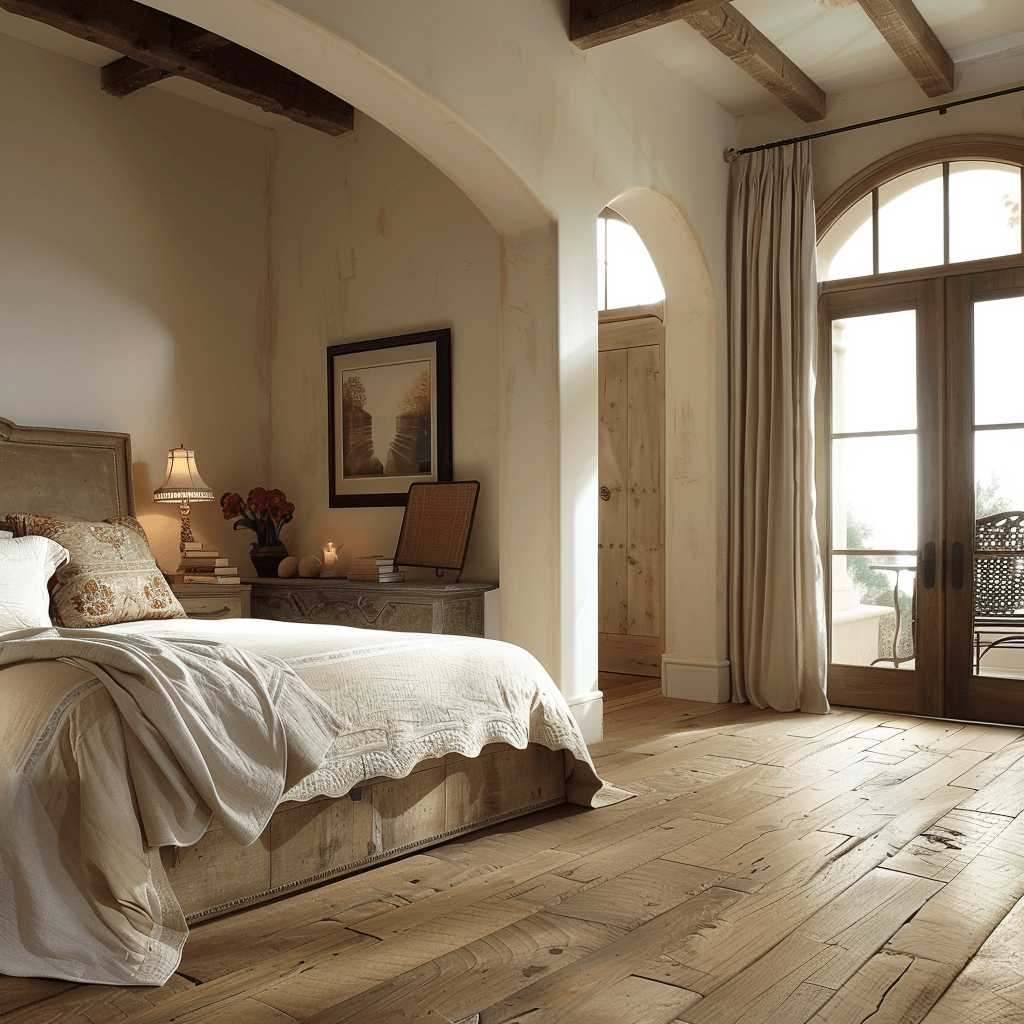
925, 470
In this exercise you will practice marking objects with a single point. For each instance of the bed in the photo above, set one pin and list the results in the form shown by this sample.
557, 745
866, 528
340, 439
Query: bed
287, 754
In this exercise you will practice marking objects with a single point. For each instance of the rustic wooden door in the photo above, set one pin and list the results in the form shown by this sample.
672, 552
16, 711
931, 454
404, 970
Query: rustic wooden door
631, 504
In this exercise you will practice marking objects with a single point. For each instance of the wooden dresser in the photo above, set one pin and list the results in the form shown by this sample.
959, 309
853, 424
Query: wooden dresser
411, 607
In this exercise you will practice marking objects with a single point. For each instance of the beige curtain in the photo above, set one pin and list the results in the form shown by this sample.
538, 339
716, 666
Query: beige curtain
776, 604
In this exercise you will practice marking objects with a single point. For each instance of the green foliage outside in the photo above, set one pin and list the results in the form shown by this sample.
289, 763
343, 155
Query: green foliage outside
987, 499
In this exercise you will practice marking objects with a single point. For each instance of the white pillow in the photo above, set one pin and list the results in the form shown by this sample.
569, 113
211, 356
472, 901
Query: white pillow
26, 565
6, 535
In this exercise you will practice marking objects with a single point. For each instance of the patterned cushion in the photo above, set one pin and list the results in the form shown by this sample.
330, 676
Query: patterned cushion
26, 565
111, 577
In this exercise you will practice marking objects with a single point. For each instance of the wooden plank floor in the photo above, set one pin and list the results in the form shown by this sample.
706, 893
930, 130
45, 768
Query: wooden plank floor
772, 869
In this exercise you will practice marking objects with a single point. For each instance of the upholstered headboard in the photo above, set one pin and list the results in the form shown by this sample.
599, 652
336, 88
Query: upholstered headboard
50, 470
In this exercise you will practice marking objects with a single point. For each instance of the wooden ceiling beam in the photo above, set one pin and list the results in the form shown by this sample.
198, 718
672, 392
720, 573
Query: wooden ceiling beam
592, 22
914, 42
164, 43
728, 31
126, 75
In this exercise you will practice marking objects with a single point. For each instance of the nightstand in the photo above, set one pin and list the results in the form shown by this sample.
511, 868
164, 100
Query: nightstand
212, 600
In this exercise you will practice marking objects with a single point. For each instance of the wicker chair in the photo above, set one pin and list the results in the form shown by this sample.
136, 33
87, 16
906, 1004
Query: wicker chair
436, 525
998, 583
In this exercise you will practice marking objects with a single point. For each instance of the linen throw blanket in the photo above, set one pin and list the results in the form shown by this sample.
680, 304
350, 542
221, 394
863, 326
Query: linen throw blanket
146, 741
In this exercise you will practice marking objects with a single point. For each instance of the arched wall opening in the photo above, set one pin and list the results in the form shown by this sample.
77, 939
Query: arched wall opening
695, 664
530, 537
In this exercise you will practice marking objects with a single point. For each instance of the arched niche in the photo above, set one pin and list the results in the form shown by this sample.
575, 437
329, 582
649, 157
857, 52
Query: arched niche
528, 401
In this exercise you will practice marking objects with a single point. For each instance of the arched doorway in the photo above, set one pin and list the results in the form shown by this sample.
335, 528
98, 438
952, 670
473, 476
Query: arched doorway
695, 662
631, 531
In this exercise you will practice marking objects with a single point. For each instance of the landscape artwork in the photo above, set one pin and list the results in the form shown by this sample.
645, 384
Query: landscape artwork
385, 420
389, 417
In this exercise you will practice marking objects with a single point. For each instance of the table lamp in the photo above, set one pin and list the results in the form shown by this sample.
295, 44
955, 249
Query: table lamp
184, 485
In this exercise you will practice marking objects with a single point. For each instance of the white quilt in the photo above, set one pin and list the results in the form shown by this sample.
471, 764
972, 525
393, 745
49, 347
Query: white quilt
406, 697
113, 726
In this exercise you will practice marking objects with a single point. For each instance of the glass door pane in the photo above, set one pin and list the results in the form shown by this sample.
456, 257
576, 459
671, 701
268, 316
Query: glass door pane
998, 632
984, 579
874, 462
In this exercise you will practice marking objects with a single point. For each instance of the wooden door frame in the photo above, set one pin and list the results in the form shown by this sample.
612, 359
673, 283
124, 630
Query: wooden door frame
917, 690
978, 698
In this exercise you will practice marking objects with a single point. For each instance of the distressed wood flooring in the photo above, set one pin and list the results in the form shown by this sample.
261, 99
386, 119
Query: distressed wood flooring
772, 869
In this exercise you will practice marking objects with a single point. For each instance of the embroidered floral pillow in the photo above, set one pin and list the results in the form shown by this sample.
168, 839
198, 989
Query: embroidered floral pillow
111, 577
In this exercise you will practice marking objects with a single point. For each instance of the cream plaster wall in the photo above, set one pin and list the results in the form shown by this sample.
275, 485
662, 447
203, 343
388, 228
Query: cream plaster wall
132, 262
540, 136
369, 241
176, 273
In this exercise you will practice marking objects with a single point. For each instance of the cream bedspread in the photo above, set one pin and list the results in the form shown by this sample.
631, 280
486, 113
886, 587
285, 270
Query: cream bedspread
406, 697
83, 894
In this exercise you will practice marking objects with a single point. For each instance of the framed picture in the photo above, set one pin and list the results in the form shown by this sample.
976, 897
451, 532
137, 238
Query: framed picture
389, 417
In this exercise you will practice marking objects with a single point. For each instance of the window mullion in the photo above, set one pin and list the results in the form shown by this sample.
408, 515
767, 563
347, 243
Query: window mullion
874, 231
945, 213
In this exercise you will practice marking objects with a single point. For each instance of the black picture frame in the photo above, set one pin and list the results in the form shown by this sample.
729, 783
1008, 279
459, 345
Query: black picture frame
402, 375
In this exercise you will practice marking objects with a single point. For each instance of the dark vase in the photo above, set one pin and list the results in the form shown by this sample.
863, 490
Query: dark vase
266, 558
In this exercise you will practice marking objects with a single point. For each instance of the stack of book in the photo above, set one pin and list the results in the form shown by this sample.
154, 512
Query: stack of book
376, 569
203, 565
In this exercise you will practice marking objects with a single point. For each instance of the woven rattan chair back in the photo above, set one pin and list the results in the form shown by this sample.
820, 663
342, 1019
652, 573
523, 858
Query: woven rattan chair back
436, 525
999, 581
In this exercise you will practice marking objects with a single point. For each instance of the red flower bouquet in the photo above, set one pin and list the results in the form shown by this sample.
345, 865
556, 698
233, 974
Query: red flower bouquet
263, 511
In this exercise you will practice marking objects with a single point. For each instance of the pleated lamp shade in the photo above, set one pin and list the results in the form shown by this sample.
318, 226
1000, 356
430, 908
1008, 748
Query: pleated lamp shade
184, 485
183, 482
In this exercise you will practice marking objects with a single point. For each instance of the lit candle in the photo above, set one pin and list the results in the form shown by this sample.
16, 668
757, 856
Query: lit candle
330, 560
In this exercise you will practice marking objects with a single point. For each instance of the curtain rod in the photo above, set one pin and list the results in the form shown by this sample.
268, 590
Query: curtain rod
731, 155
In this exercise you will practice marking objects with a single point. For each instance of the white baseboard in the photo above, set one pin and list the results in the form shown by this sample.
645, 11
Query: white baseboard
696, 680
588, 710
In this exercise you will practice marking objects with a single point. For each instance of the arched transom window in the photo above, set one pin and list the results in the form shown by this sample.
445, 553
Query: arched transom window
953, 211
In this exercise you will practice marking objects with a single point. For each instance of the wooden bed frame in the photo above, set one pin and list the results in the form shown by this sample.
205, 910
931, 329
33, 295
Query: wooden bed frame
88, 474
